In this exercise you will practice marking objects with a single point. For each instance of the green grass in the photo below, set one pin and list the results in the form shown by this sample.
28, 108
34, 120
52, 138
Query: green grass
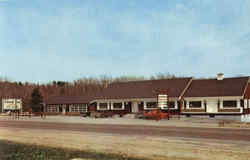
17, 151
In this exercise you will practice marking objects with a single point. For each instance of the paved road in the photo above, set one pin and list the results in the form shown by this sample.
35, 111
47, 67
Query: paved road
168, 131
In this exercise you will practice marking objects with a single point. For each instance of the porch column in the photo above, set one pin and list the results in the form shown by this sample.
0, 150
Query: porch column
245, 103
182, 104
108, 103
97, 105
187, 106
144, 105
111, 105
176, 104
221, 103
64, 109
238, 103
123, 106
202, 104
70, 108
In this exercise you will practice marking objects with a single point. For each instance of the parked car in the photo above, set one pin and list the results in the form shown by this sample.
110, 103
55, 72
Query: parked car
156, 115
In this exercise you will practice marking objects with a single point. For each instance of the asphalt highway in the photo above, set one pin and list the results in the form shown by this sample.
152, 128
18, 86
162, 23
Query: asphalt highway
138, 130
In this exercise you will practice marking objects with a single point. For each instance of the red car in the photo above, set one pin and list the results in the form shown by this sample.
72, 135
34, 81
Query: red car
156, 115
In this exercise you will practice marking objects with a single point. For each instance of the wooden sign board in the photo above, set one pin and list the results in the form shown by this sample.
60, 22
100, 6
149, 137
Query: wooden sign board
163, 101
12, 104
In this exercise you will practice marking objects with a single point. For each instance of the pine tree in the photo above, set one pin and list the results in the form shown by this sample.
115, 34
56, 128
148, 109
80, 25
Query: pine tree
36, 100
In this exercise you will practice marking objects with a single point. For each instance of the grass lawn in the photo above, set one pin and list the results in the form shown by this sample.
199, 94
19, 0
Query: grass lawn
17, 151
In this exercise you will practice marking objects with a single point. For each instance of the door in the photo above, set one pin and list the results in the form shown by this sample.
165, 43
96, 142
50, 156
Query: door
135, 107
63, 109
212, 107
67, 108
60, 108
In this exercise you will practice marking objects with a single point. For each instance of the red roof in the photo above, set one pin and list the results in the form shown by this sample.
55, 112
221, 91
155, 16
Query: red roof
144, 89
217, 88
68, 100
148, 88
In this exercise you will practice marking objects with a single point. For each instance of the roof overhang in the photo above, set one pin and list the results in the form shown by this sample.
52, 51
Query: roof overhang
245, 89
183, 92
214, 98
130, 99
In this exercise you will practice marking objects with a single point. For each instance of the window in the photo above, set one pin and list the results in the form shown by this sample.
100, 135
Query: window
79, 108
103, 106
151, 105
171, 104
83, 108
195, 104
52, 108
185, 104
242, 103
74, 108
229, 104
117, 106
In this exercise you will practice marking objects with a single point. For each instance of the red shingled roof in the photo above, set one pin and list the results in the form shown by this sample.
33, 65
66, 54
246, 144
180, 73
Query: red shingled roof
143, 89
68, 99
217, 88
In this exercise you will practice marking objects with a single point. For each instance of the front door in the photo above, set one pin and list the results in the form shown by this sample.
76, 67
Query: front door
67, 108
64, 109
135, 107
60, 108
212, 106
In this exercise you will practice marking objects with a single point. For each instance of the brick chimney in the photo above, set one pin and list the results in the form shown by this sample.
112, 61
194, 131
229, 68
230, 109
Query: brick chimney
220, 76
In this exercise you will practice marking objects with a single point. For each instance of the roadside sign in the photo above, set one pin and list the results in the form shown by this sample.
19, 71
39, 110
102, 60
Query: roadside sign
163, 101
11, 104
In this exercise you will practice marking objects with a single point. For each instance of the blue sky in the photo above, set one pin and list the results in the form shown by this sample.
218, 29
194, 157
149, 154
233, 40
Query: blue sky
45, 40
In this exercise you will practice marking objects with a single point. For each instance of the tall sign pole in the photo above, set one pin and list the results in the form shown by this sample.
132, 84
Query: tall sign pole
168, 105
181, 105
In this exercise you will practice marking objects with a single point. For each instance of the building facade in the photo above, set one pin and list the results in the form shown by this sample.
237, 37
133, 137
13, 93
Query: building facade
187, 96
66, 105
221, 96
139, 96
